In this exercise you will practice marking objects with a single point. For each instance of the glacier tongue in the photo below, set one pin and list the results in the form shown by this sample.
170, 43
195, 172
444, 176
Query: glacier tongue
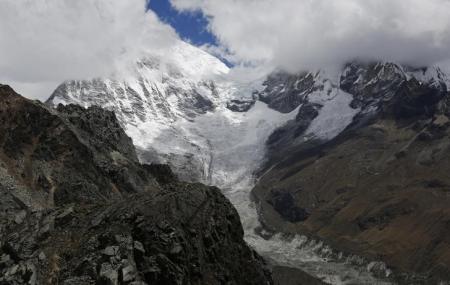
233, 147
236, 140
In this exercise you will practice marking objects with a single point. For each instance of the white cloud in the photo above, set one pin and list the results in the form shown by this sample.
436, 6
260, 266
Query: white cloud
302, 34
44, 42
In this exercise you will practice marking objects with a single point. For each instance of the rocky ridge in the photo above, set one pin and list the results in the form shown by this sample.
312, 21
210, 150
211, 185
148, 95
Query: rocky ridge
328, 101
78, 208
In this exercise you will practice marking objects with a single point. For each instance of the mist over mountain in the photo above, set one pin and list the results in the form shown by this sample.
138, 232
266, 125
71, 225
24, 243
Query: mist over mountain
302, 35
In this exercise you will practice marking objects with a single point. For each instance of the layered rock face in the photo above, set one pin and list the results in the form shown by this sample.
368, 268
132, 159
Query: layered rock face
78, 208
380, 188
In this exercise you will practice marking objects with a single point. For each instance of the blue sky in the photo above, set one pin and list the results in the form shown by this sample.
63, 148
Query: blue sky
191, 26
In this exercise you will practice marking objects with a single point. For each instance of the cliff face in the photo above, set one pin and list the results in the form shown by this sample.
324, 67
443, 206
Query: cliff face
380, 189
67, 155
78, 208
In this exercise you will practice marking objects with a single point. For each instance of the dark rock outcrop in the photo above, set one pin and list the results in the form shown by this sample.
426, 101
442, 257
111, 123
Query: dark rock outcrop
284, 204
240, 105
285, 92
78, 208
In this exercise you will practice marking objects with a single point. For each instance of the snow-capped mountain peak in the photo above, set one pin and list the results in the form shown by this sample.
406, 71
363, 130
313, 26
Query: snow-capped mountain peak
196, 63
181, 83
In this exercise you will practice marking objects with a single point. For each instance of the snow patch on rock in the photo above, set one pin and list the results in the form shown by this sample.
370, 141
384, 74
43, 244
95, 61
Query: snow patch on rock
335, 115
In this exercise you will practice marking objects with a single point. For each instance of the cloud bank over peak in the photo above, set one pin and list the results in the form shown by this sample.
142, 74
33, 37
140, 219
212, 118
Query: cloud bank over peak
305, 34
45, 42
